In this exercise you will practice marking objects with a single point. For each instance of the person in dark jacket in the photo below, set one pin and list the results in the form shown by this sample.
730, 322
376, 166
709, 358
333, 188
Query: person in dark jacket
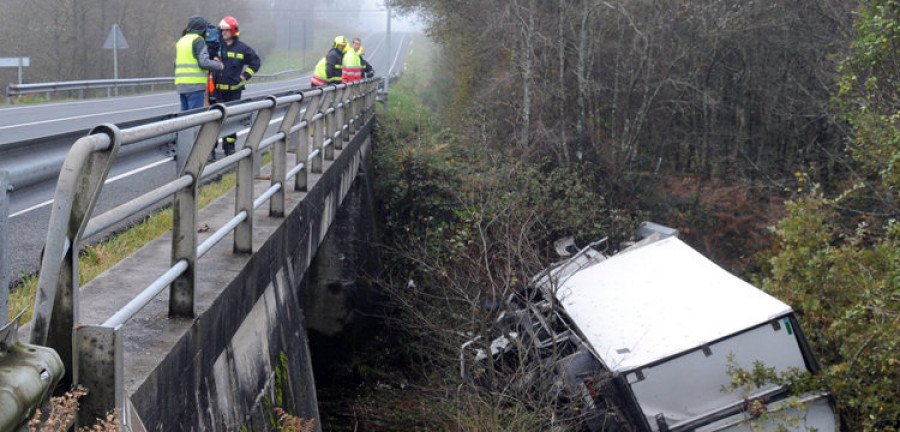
334, 60
192, 62
241, 63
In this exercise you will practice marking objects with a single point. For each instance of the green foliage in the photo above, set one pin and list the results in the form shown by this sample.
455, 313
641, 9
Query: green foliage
870, 91
758, 415
846, 286
281, 378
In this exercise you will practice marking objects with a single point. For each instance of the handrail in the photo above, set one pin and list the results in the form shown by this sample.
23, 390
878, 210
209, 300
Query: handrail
86, 168
15, 90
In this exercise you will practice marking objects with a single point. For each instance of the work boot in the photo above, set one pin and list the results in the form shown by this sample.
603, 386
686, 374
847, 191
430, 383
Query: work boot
212, 156
228, 147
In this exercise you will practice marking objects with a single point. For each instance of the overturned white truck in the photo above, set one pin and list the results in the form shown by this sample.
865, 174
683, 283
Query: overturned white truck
661, 326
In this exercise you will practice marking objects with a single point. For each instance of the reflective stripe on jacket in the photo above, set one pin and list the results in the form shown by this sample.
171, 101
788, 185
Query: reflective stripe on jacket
352, 67
241, 63
187, 68
319, 77
238, 86
333, 66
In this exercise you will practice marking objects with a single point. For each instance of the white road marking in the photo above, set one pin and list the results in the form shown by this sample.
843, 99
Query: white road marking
108, 181
56, 120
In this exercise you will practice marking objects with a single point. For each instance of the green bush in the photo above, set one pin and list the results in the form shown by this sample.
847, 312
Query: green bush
845, 285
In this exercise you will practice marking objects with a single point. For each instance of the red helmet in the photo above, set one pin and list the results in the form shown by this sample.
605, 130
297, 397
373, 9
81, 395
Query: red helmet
229, 23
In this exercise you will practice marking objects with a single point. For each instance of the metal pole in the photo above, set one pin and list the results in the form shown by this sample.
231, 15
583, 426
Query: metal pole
21, 66
387, 79
4, 253
116, 56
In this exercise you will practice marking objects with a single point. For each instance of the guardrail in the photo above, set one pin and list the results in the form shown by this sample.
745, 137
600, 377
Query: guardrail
321, 121
16, 90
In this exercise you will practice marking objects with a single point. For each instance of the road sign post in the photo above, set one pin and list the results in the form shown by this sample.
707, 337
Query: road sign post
387, 77
114, 41
4, 252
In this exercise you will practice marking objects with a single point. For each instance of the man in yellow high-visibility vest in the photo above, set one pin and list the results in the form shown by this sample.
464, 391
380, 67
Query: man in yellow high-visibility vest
192, 63
351, 70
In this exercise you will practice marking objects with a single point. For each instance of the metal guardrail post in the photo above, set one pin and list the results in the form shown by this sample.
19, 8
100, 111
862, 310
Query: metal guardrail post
80, 182
184, 140
243, 194
340, 105
373, 97
99, 366
313, 107
321, 133
363, 103
279, 158
184, 218
370, 102
4, 248
353, 123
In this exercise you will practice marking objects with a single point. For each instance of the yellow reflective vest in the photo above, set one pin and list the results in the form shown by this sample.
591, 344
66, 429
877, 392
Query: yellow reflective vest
320, 76
352, 67
187, 68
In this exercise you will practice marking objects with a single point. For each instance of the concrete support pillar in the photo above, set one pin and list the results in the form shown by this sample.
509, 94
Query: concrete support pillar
99, 367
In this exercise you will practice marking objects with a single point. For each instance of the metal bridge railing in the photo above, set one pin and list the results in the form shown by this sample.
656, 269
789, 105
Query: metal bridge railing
321, 120
80, 86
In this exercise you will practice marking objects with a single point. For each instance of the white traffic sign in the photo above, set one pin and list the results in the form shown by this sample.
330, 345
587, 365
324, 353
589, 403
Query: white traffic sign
14, 61
115, 39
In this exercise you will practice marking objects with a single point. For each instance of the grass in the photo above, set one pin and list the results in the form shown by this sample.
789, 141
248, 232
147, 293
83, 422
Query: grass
97, 258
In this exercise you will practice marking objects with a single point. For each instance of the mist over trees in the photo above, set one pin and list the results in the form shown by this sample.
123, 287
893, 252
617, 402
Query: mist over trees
64, 38
713, 87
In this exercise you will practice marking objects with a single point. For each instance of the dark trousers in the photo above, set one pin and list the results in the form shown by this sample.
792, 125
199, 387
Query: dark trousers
223, 96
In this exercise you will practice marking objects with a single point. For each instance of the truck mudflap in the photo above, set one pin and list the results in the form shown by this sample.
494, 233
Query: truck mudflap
28, 375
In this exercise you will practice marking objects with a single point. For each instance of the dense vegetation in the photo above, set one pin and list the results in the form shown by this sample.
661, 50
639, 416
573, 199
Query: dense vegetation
766, 132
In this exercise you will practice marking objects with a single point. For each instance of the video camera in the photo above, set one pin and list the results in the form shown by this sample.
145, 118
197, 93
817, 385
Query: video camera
214, 41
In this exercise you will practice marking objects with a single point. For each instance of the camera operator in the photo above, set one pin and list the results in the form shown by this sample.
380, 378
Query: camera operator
191, 63
241, 63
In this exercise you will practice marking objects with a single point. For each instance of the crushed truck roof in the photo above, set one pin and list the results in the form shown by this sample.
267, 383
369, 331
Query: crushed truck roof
634, 314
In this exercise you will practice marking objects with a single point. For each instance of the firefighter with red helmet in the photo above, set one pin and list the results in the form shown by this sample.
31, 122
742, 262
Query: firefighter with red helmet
241, 63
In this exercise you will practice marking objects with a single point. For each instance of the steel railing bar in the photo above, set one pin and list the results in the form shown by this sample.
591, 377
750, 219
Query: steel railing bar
220, 234
266, 143
152, 130
295, 170
122, 212
257, 203
224, 163
149, 293
298, 126
30, 88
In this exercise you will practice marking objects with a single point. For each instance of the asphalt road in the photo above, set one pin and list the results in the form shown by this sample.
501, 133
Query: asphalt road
131, 175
